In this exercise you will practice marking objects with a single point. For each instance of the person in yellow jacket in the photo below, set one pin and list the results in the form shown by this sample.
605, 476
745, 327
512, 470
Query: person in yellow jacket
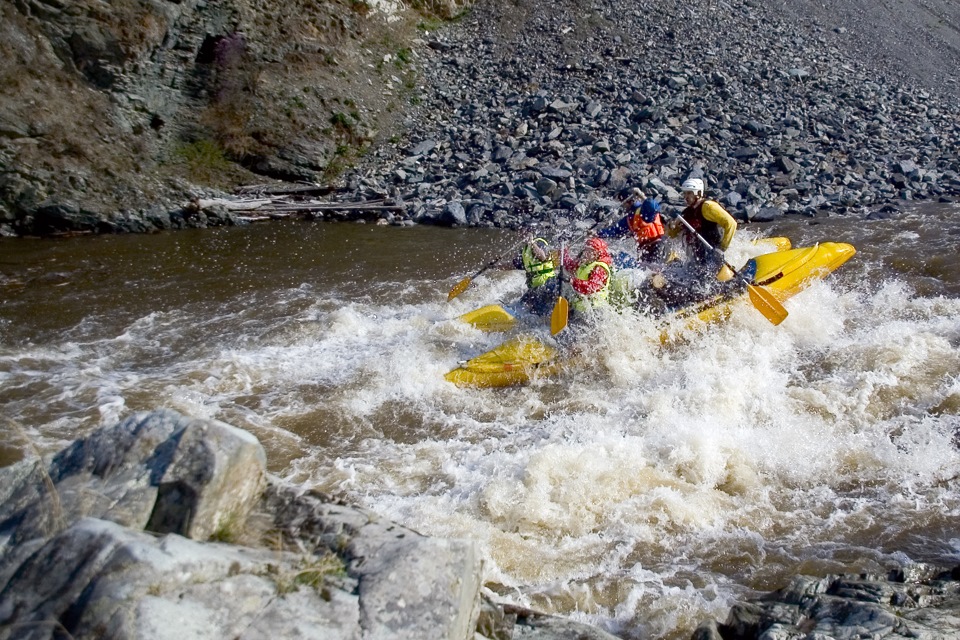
705, 275
711, 221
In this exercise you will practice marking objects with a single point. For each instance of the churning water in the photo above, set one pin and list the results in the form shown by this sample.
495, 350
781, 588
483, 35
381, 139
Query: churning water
643, 491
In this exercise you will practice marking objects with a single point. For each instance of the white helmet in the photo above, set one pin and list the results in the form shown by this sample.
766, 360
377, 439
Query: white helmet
694, 185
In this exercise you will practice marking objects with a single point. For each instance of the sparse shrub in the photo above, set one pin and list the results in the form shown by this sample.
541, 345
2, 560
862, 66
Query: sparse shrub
313, 574
442, 9
204, 159
360, 7
226, 530
341, 121
233, 97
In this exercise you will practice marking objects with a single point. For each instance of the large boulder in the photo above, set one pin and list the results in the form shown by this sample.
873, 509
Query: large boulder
409, 585
100, 580
159, 471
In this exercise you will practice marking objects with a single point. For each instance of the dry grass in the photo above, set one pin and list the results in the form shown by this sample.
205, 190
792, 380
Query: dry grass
55, 506
313, 572
57, 631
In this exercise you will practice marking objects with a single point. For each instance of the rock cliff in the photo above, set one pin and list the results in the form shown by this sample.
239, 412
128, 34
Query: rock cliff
115, 115
127, 116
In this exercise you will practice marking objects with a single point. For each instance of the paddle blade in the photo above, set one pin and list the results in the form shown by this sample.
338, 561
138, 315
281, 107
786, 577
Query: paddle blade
767, 304
558, 319
458, 288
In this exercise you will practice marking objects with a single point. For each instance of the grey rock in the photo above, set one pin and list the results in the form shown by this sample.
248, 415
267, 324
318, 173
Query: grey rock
53, 217
546, 187
453, 214
423, 148
103, 580
445, 575
554, 173
531, 625
732, 198
601, 146
745, 153
895, 606
159, 470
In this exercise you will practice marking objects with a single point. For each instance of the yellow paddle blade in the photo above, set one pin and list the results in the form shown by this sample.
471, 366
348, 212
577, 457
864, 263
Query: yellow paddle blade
558, 319
767, 304
458, 288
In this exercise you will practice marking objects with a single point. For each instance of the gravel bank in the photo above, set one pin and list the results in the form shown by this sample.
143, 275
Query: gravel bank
531, 112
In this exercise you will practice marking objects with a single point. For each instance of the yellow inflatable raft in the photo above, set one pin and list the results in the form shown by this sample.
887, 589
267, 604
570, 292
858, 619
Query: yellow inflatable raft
525, 357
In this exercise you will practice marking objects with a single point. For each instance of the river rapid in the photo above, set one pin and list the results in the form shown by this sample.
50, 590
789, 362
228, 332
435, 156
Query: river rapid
642, 493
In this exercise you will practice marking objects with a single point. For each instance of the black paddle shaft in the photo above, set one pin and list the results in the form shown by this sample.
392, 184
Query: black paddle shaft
709, 246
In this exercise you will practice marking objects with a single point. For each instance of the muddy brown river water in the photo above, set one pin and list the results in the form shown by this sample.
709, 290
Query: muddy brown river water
643, 493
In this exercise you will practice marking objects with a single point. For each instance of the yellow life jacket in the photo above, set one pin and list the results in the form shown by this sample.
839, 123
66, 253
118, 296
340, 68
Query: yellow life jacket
538, 273
594, 300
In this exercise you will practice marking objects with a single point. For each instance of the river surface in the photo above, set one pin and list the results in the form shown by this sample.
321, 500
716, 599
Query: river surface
642, 493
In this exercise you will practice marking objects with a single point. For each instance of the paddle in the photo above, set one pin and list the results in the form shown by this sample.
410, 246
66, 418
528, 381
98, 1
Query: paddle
561, 310
461, 286
762, 299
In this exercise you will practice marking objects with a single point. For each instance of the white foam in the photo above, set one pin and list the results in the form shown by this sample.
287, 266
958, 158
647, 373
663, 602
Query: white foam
641, 490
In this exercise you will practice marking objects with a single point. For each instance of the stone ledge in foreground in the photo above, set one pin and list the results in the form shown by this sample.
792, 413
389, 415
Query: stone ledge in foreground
920, 601
165, 526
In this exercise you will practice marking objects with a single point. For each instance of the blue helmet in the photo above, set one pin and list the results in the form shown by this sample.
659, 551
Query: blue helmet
649, 210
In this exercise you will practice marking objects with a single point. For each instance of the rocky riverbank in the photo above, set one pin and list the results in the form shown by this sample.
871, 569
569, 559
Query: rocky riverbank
165, 526
117, 119
536, 112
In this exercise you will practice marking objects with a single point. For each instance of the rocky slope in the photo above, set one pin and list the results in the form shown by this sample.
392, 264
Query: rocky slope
547, 110
115, 117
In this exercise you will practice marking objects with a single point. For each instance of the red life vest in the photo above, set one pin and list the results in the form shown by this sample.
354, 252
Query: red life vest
645, 232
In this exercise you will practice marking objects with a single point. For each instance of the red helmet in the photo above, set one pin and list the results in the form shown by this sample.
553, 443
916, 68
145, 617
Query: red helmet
601, 248
598, 245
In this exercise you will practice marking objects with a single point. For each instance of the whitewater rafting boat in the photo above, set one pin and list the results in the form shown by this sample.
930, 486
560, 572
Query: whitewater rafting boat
494, 318
522, 358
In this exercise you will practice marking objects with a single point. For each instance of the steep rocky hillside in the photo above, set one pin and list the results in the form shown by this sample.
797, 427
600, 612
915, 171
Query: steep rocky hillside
916, 41
115, 116
534, 112
112, 115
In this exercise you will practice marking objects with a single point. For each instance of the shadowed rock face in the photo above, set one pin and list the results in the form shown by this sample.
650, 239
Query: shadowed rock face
159, 471
98, 579
114, 116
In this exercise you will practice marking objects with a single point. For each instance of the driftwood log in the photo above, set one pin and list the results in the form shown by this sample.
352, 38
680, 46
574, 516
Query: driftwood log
284, 190
254, 209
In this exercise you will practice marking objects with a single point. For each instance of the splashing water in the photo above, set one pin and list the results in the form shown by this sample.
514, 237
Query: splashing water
643, 491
